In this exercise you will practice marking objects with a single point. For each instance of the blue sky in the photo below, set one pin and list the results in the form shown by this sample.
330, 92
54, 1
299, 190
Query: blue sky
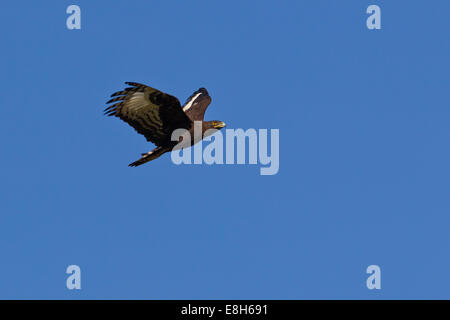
364, 158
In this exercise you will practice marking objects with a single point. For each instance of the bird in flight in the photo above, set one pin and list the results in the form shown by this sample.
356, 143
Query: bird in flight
156, 114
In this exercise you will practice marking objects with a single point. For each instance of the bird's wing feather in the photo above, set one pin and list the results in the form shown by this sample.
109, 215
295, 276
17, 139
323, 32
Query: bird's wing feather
150, 112
196, 104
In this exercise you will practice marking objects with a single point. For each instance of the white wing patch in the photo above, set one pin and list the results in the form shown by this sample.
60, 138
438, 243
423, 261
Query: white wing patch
137, 101
191, 102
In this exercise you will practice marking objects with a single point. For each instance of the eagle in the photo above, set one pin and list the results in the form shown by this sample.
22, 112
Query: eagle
156, 114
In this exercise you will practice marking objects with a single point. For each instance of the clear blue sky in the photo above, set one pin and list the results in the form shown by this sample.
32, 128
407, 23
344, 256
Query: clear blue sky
364, 174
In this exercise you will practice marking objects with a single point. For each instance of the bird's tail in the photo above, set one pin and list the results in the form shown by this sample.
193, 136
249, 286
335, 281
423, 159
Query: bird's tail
149, 156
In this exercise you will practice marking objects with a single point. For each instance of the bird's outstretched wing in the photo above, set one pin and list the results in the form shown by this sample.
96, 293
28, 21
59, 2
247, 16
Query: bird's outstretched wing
196, 104
151, 112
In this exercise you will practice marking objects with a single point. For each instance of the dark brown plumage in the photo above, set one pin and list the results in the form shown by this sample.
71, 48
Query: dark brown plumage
156, 114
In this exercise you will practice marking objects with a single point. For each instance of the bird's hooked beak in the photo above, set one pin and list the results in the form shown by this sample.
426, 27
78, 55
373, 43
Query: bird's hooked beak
219, 125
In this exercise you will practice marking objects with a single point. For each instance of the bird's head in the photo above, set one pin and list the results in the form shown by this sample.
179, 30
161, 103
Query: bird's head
209, 127
216, 124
